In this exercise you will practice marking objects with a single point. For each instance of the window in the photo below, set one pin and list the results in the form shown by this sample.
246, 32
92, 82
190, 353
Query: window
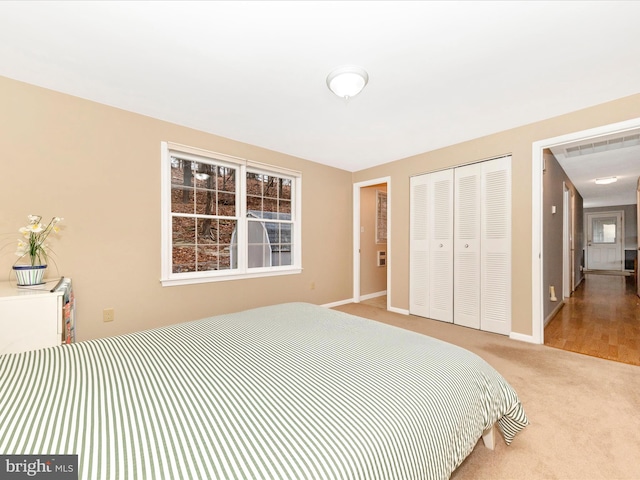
226, 218
604, 230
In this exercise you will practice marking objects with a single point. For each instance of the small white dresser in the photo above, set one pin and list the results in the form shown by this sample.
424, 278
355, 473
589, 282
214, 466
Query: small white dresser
36, 317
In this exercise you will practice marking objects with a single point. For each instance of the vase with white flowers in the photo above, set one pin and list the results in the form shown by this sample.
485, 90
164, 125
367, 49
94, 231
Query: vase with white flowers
33, 250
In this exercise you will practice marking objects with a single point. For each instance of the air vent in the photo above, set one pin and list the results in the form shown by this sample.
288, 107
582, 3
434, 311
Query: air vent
573, 151
604, 145
600, 146
632, 140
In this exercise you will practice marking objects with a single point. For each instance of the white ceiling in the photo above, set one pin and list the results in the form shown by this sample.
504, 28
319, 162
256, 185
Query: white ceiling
440, 72
606, 156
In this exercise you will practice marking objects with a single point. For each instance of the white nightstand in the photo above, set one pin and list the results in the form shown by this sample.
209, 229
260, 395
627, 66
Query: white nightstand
36, 317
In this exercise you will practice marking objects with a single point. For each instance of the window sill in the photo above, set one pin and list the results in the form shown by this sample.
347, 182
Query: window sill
171, 282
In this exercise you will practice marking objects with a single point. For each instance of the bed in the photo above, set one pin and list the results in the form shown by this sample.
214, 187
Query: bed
291, 391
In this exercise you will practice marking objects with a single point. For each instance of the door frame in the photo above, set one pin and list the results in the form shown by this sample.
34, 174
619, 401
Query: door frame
537, 194
356, 236
567, 242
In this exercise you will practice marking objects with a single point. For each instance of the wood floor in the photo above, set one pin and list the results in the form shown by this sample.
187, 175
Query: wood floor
601, 318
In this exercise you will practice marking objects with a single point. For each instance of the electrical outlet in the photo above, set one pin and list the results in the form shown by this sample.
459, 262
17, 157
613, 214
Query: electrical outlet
313, 285
108, 315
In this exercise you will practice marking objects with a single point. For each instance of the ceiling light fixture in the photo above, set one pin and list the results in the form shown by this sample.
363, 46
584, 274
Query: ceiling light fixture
347, 81
606, 180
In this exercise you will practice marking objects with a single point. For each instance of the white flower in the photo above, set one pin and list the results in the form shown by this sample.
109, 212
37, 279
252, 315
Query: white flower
31, 228
22, 248
35, 235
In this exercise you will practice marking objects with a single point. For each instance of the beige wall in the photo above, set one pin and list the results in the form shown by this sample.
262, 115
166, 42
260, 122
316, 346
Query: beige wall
518, 143
99, 168
373, 279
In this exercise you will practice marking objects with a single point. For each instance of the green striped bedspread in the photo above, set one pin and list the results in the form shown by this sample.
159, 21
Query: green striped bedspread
292, 391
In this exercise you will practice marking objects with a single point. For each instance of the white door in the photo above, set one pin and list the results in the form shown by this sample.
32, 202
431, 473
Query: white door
419, 246
441, 245
495, 251
604, 241
431, 246
466, 279
468, 263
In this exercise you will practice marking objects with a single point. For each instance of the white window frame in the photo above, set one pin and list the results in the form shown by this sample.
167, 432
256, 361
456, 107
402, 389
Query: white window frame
168, 278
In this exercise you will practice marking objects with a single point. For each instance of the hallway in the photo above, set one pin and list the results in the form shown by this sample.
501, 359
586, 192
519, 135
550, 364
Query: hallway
601, 319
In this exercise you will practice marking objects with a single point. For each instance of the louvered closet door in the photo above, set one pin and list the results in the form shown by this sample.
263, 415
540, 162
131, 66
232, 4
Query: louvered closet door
466, 277
419, 246
495, 253
440, 231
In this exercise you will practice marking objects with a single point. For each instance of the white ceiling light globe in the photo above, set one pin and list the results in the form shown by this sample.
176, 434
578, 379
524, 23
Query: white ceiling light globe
347, 81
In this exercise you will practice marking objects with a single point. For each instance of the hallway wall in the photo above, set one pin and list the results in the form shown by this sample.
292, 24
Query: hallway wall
554, 177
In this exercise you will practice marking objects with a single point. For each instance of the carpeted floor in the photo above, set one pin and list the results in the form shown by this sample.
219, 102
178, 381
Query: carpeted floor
584, 411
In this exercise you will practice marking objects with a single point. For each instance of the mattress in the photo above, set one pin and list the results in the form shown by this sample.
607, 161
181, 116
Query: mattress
291, 391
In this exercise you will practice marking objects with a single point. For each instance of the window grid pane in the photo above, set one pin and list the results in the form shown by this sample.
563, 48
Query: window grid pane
268, 196
206, 192
270, 243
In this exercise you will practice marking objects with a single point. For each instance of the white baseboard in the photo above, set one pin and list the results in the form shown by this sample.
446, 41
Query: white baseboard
401, 311
522, 338
338, 303
369, 296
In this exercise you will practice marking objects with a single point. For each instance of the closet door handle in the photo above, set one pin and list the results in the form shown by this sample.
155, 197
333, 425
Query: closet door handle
466, 245
440, 245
